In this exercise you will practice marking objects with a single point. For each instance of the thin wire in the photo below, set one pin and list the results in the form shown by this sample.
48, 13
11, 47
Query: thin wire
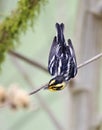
37, 90
90, 60
79, 66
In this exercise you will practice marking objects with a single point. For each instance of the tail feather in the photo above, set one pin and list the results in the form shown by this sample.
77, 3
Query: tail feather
60, 30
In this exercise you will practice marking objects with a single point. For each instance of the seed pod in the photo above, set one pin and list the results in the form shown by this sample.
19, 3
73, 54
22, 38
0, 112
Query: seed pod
22, 99
3, 95
18, 98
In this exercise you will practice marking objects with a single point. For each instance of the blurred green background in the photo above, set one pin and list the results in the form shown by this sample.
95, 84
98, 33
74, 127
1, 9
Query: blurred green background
35, 43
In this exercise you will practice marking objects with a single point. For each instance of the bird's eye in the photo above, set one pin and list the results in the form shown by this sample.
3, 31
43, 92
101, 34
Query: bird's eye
52, 82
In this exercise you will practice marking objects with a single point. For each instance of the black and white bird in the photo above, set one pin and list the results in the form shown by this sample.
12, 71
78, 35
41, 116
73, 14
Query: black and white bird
62, 63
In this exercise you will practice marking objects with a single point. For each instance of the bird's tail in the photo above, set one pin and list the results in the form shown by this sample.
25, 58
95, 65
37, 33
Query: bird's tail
60, 30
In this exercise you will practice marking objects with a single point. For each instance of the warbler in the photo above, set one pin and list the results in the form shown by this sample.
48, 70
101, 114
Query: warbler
62, 63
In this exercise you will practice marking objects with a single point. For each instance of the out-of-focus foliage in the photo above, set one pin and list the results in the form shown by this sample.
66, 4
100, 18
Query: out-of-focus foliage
13, 25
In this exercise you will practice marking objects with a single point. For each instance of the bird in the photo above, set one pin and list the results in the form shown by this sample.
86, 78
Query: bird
62, 64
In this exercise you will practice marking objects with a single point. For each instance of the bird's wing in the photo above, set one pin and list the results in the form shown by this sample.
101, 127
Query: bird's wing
53, 59
73, 63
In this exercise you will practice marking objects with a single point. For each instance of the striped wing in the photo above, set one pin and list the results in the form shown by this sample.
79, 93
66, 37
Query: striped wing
59, 59
53, 59
69, 64
73, 64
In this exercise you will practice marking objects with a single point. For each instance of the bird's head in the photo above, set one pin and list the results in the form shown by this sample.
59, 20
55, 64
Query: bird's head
56, 84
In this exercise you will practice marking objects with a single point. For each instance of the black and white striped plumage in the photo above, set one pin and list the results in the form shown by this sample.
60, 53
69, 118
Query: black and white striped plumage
62, 61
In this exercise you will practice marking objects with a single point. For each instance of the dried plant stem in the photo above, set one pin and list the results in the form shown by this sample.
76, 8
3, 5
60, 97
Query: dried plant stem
39, 97
27, 60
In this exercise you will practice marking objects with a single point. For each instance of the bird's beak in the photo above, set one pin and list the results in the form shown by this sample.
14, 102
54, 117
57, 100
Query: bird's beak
46, 87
